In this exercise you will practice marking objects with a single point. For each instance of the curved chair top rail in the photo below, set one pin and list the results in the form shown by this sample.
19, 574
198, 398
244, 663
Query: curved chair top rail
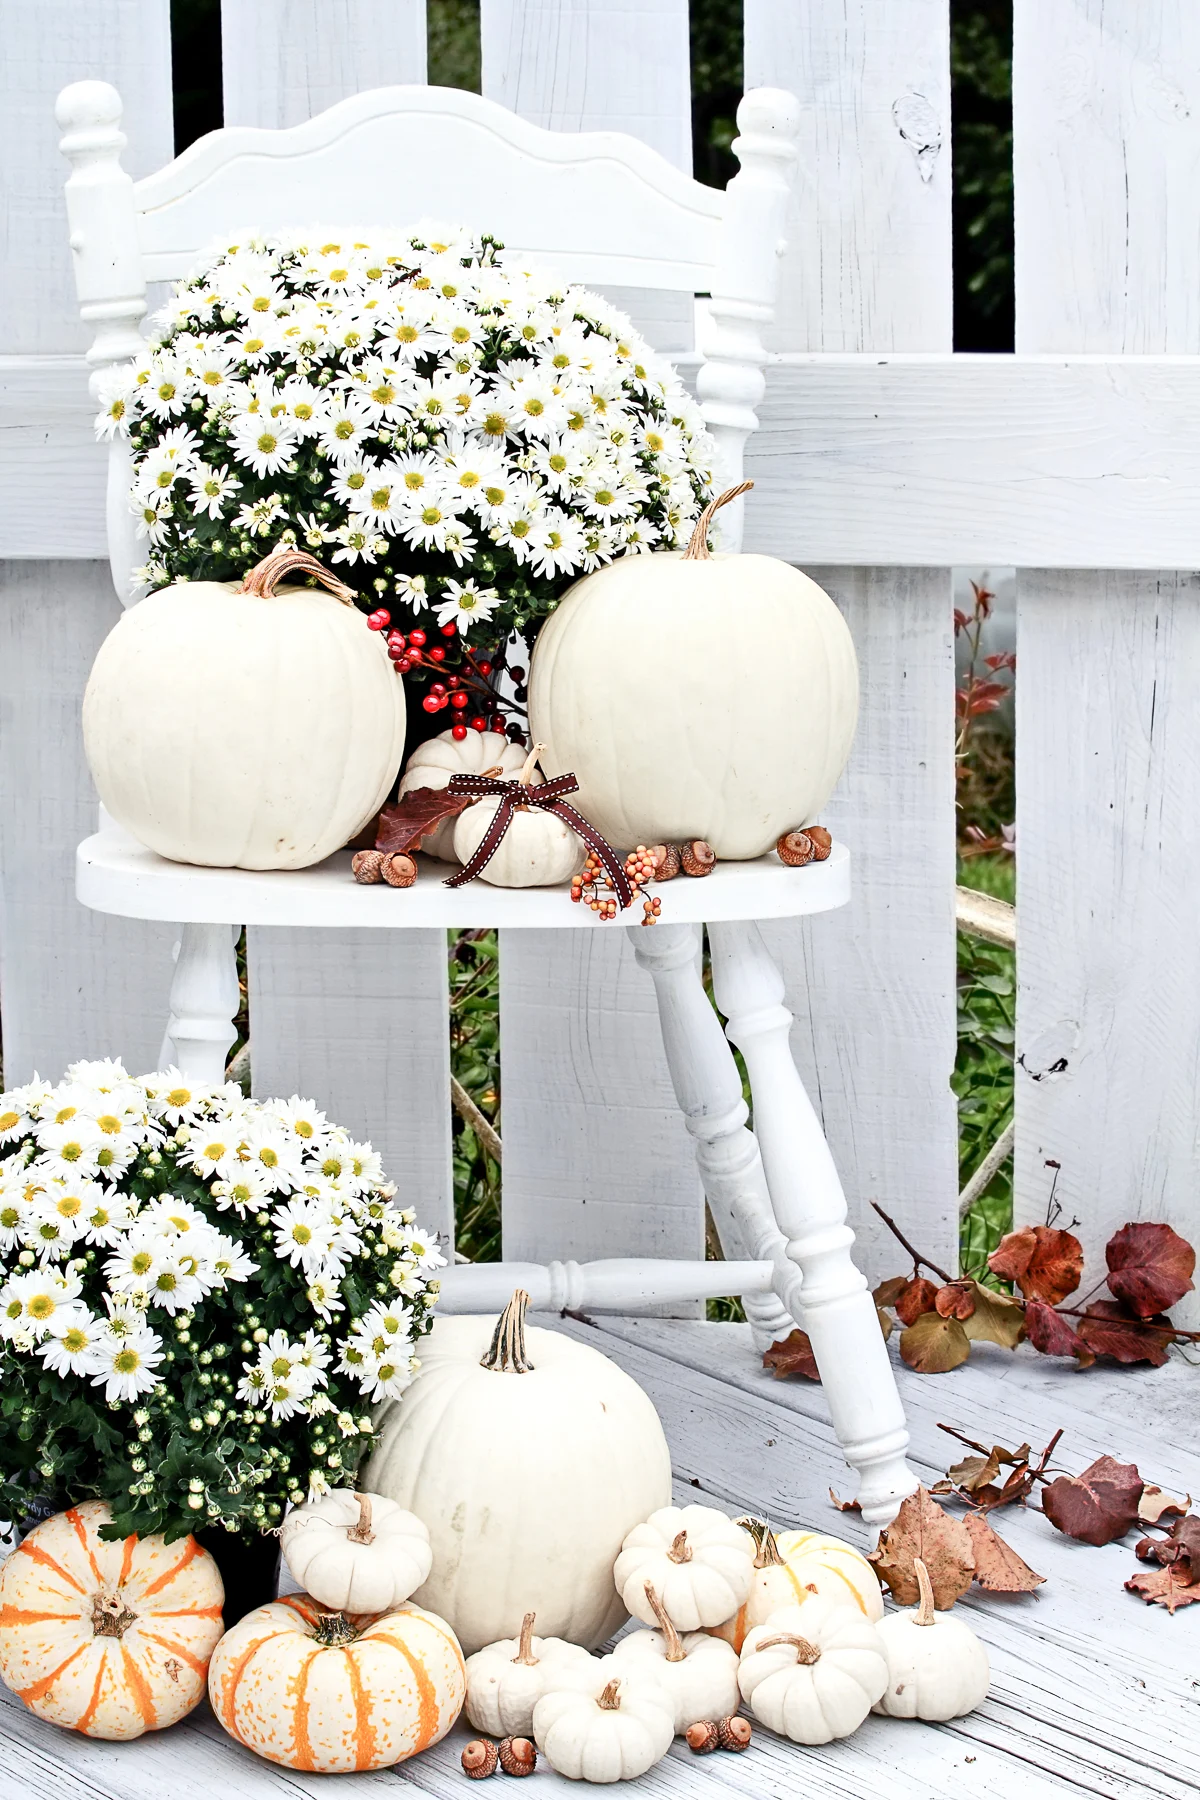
601, 206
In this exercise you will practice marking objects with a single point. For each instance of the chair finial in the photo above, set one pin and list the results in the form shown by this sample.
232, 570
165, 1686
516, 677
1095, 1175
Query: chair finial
89, 113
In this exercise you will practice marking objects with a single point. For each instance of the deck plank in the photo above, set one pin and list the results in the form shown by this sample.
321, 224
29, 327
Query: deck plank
1093, 1694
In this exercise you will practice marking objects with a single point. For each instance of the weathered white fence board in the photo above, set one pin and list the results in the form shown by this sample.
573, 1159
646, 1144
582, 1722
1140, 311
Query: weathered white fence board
72, 984
596, 1157
873, 990
360, 1022
284, 60
1108, 260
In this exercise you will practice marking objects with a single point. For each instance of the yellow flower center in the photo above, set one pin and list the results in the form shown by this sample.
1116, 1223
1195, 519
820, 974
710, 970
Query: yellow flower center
41, 1306
126, 1361
381, 498
179, 1097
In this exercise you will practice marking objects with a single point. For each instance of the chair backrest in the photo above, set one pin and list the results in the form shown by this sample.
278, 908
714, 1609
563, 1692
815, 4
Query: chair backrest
600, 206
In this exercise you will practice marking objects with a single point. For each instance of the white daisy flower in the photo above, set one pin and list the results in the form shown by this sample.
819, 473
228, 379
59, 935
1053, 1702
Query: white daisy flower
245, 1191
167, 391
466, 603
259, 516
346, 422
172, 1288
265, 445
359, 543
305, 1233
210, 489
69, 1147
31, 1302
324, 1296
70, 1347
414, 589
125, 1361
117, 393
556, 544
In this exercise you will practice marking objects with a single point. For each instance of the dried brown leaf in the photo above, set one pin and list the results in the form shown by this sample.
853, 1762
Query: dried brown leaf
974, 1471
1053, 1335
921, 1528
995, 1318
1109, 1330
405, 822
1150, 1267
956, 1300
851, 1506
1181, 1545
889, 1291
1164, 1587
998, 1568
918, 1298
1097, 1506
886, 1323
1155, 1505
1045, 1263
792, 1355
933, 1345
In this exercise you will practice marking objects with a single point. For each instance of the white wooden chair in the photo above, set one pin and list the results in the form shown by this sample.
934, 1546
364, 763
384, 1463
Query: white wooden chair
608, 211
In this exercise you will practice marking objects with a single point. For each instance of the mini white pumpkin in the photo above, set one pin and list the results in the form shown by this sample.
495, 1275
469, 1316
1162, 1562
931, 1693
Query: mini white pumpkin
357, 1552
244, 727
607, 1724
537, 850
813, 1672
432, 764
529, 1457
700, 1563
506, 1679
698, 1673
789, 1566
746, 739
937, 1667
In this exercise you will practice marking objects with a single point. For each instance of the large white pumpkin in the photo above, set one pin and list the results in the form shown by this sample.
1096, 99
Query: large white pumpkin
528, 1475
255, 729
696, 696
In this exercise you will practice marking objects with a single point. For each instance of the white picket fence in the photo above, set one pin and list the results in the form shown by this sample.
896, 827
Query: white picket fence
881, 461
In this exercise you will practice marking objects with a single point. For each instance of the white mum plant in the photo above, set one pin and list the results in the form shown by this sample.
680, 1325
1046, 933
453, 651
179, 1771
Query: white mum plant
467, 436
201, 1298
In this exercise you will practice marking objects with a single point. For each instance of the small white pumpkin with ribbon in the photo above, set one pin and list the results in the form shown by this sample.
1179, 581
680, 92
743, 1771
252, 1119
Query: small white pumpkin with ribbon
605, 1724
937, 1667
698, 1672
700, 1563
359, 1553
505, 1680
813, 1672
435, 762
535, 849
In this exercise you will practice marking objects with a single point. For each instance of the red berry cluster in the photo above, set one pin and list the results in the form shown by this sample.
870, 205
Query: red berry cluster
413, 651
597, 889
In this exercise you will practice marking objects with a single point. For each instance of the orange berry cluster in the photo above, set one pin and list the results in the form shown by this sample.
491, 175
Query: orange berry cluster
595, 888
641, 865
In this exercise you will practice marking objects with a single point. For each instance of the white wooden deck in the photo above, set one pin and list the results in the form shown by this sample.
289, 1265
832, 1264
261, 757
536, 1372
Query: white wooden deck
1093, 1692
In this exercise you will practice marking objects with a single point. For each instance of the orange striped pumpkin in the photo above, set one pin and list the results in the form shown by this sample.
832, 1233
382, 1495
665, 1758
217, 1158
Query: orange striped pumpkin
112, 1639
790, 1566
335, 1692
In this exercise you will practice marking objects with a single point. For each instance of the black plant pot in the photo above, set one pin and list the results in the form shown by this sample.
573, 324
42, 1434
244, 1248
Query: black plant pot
249, 1568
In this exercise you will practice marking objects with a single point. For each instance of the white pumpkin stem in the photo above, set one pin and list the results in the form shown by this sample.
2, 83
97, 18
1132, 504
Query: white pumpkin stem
506, 1352
284, 560
766, 1549
610, 1699
525, 1644
110, 1616
681, 1550
924, 1613
805, 1652
698, 550
529, 764
675, 1650
361, 1532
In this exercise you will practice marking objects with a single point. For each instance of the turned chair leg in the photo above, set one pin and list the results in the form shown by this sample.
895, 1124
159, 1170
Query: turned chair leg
709, 1091
204, 1002
835, 1308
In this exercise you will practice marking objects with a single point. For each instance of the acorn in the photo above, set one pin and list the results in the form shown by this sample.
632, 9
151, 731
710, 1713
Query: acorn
821, 842
480, 1758
733, 1733
399, 870
367, 866
697, 857
517, 1756
703, 1736
666, 861
795, 848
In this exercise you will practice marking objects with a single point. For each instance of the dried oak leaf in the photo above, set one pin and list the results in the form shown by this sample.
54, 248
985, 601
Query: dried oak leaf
1097, 1506
917, 1298
889, 1291
851, 1506
933, 1345
998, 1568
1150, 1267
1045, 1263
1108, 1330
995, 1318
956, 1300
921, 1528
1155, 1505
405, 822
975, 1471
1181, 1545
1164, 1587
1053, 1335
792, 1355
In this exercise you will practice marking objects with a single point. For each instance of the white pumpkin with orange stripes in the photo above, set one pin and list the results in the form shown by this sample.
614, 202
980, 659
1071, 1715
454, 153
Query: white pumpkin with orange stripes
792, 1565
112, 1639
337, 1692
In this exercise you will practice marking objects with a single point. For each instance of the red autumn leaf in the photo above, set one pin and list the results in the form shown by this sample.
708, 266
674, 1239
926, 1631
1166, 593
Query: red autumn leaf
1003, 659
1097, 1506
889, 1291
956, 1300
405, 822
918, 1297
1045, 1263
1181, 1545
1164, 1587
1050, 1333
792, 1355
1150, 1267
1108, 1330
998, 1568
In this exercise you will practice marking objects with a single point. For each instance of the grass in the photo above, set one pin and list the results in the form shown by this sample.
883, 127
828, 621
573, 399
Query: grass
983, 1070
